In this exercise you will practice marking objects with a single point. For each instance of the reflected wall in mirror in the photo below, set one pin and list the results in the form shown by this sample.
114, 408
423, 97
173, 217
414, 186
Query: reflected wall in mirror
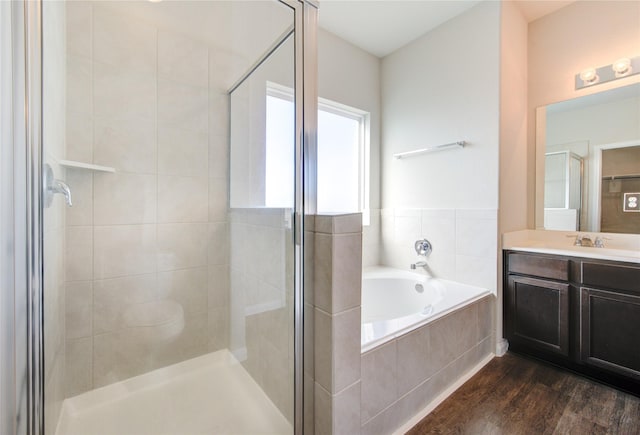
589, 148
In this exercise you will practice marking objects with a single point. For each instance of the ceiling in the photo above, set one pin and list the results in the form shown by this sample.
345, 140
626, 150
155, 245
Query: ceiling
383, 26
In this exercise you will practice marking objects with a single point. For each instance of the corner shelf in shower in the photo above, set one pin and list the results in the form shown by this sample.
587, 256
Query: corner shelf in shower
87, 166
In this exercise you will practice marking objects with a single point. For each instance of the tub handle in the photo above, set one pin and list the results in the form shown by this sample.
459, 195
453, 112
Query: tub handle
423, 247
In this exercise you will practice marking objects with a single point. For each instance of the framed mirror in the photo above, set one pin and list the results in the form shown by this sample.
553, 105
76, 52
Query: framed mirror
588, 163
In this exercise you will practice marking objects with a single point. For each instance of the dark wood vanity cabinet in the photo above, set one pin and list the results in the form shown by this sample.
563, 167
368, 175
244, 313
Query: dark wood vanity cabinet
610, 317
538, 314
578, 313
610, 331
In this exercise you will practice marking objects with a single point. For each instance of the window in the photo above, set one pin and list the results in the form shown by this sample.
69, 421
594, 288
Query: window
343, 155
280, 149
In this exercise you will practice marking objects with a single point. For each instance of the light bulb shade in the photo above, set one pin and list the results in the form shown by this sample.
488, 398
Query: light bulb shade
589, 76
622, 66
621, 69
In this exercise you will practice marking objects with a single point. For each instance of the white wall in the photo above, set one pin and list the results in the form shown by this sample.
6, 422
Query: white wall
513, 119
441, 88
513, 208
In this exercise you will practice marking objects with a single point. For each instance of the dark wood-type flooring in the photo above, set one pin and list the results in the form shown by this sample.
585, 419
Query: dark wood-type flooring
516, 395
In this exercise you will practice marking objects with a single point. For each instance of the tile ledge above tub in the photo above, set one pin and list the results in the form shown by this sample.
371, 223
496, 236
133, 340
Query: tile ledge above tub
619, 247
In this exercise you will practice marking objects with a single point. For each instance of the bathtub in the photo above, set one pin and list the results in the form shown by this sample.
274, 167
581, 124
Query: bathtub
396, 301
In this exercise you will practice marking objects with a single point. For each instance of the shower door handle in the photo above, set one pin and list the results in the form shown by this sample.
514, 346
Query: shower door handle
53, 186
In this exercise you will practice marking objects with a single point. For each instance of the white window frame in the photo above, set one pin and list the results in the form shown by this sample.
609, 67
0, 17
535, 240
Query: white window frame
364, 121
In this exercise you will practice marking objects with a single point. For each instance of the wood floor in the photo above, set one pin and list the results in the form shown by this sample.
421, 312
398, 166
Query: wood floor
516, 395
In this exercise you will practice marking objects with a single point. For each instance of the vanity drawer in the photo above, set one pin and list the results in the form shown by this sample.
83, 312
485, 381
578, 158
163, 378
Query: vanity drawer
540, 266
611, 276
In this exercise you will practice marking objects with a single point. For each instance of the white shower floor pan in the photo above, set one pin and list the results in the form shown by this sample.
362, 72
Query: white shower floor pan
211, 394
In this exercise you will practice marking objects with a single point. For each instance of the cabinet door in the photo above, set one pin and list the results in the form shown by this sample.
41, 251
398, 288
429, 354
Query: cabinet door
537, 314
610, 331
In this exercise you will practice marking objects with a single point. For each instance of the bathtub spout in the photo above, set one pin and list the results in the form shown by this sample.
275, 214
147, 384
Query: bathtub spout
419, 263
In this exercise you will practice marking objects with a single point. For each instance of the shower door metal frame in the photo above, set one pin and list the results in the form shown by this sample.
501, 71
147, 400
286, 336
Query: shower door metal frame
306, 113
24, 414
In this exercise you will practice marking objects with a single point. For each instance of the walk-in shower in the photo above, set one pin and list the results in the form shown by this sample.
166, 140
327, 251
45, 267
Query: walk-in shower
167, 299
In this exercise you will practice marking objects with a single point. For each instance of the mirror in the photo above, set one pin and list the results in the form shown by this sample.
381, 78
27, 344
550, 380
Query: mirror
588, 163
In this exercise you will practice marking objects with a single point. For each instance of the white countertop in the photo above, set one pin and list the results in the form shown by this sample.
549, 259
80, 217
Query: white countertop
619, 247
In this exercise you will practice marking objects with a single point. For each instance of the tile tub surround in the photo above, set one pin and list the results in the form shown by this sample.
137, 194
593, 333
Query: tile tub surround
336, 313
380, 390
406, 375
465, 242
157, 228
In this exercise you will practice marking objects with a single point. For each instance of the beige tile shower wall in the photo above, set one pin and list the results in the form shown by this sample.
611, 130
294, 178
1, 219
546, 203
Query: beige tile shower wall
337, 285
53, 237
464, 243
261, 323
402, 377
146, 101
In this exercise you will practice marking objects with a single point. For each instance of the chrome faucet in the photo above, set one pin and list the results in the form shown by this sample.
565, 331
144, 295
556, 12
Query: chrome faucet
61, 187
419, 263
585, 241
51, 186
423, 248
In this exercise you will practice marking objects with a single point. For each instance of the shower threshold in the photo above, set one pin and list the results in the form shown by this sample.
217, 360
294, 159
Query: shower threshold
210, 394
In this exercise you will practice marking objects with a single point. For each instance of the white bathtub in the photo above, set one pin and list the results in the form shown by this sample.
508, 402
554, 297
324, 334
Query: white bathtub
395, 302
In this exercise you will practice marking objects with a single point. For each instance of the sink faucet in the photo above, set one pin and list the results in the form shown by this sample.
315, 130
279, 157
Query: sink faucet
582, 240
585, 240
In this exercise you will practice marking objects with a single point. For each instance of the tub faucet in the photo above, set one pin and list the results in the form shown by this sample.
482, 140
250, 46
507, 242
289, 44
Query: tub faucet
423, 248
419, 263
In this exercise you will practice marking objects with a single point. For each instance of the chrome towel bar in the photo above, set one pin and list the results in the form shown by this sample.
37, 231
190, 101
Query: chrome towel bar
460, 144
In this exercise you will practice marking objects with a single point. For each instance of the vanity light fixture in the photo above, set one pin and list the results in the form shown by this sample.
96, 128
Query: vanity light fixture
623, 67
589, 76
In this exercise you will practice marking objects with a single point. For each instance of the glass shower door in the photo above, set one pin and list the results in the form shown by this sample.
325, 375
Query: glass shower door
262, 168
168, 297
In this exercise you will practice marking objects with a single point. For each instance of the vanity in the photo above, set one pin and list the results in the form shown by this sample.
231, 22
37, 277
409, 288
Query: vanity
575, 307
575, 304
